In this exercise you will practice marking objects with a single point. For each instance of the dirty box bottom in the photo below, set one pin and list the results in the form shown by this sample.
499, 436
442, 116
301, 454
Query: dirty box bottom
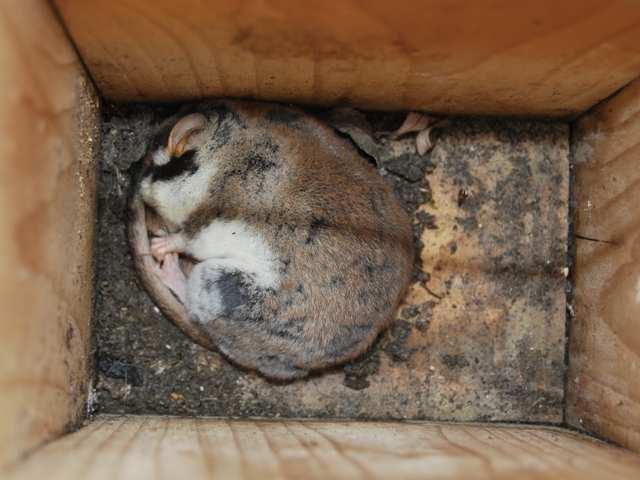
480, 337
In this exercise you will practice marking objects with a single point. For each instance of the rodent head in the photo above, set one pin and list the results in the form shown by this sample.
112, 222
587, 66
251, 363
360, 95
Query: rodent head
175, 178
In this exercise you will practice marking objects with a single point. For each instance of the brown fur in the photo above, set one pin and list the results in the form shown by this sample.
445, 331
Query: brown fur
343, 243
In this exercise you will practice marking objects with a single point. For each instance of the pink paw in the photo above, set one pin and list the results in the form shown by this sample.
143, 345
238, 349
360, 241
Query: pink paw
162, 246
172, 276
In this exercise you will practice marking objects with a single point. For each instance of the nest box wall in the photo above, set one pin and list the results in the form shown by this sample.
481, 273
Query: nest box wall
49, 121
446, 56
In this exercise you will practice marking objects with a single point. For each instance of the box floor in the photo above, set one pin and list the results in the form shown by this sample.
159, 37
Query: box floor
481, 335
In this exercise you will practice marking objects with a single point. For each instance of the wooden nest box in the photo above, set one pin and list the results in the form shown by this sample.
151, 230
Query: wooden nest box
578, 61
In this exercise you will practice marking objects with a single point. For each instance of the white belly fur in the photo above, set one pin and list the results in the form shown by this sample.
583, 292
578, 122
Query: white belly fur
243, 247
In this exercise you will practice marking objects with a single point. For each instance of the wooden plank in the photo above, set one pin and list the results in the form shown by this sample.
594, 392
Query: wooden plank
455, 57
49, 121
604, 377
159, 447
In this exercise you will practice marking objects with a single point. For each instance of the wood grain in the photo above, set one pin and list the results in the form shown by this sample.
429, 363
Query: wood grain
604, 379
160, 447
454, 57
48, 120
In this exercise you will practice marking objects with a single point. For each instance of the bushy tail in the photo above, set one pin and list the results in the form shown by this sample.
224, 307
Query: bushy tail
144, 263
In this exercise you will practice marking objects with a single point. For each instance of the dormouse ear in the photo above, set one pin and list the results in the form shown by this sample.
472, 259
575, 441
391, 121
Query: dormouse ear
183, 134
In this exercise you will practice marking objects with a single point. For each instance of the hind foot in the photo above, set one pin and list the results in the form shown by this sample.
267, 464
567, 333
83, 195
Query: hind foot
172, 276
162, 246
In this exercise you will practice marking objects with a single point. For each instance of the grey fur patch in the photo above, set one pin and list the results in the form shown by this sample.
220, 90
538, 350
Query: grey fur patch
234, 291
317, 224
347, 339
279, 366
291, 329
284, 116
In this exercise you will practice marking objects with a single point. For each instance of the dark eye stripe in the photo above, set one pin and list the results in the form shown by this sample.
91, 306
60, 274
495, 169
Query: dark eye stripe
175, 167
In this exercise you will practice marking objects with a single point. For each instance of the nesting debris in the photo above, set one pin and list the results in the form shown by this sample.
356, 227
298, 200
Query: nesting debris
423, 124
385, 147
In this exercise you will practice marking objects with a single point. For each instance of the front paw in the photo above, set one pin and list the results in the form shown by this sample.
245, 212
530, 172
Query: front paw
162, 246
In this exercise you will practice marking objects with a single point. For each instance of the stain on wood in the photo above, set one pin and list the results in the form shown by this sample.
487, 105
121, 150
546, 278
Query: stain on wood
603, 385
501, 57
148, 447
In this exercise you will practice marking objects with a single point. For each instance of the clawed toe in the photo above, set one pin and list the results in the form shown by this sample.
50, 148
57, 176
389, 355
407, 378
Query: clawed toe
159, 248
162, 246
